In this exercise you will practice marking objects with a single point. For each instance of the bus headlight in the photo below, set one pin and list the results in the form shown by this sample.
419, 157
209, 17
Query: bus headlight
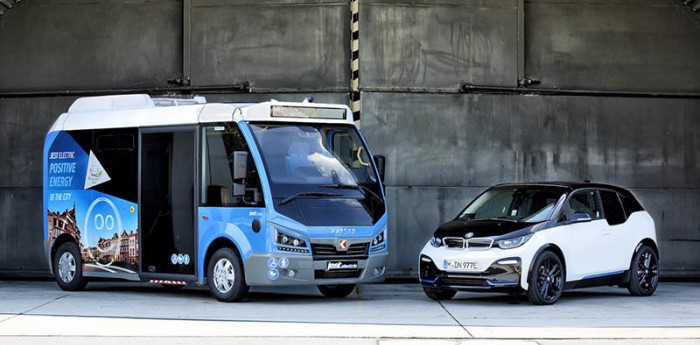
379, 241
513, 242
289, 240
380, 238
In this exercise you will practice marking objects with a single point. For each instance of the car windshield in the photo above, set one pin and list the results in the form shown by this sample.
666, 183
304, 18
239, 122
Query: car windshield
309, 159
531, 204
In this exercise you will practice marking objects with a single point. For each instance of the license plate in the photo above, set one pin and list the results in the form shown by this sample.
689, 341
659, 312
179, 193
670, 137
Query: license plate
341, 265
459, 265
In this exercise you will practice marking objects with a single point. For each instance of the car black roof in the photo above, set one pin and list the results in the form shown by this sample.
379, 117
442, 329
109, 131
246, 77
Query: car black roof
571, 186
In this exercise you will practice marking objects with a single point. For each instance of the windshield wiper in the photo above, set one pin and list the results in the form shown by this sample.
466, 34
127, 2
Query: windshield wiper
341, 186
503, 218
316, 194
363, 189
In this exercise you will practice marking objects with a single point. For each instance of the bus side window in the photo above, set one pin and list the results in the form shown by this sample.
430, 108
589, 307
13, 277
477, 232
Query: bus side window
116, 151
229, 176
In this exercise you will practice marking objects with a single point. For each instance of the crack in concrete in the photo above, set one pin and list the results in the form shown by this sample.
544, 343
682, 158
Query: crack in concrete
455, 319
34, 308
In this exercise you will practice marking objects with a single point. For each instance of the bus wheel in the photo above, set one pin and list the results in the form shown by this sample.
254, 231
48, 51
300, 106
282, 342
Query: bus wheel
225, 276
336, 291
68, 268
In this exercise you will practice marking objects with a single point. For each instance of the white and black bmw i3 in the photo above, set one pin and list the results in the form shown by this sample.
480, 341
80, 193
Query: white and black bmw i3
542, 238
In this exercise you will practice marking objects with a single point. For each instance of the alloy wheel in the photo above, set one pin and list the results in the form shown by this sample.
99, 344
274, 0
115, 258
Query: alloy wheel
549, 279
224, 275
647, 271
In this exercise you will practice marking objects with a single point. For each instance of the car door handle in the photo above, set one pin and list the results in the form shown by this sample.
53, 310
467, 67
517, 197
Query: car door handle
606, 231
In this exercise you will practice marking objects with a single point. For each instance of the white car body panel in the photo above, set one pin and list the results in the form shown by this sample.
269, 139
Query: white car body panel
590, 249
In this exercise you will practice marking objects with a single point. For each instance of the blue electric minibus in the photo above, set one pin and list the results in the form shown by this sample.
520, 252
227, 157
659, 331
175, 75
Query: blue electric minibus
181, 192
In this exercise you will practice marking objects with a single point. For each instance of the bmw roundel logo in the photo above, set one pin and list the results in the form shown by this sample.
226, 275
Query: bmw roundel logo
469, 235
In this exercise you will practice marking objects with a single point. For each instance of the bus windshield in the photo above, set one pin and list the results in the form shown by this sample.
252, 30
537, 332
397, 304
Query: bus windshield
313, 165
301, 157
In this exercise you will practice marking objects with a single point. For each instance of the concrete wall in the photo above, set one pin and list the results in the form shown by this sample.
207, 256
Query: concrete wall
416, 53
437, 44
102, 44
442, 147
271, 44
476, 141
634, 45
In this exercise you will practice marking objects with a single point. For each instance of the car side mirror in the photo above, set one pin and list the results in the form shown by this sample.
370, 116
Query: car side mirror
379, 162
580, 217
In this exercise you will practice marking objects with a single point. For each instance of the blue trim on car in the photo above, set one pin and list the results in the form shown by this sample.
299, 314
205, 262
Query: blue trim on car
603, 275
500, 283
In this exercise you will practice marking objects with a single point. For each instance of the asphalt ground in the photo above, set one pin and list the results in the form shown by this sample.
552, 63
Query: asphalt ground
34, 312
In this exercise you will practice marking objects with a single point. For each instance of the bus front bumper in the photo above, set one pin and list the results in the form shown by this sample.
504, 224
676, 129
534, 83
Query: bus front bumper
274, 269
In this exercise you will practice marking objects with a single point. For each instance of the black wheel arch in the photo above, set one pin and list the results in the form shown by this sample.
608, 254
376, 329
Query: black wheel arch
648, 242
625, 281
554, 249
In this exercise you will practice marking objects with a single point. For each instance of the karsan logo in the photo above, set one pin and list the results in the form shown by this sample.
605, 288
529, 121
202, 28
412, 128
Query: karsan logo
342, 245
343, 231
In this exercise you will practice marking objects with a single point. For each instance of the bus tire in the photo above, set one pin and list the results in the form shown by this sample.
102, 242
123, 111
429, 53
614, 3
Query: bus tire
225, 276
68, 267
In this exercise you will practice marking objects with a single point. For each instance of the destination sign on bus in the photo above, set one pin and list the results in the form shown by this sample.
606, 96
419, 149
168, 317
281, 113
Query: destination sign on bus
308, 112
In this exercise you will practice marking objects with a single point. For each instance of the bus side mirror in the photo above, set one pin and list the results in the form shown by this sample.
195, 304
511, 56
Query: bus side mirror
240, 169
379, 162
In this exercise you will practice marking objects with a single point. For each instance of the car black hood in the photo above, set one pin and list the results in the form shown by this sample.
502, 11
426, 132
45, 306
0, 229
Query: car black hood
480, 228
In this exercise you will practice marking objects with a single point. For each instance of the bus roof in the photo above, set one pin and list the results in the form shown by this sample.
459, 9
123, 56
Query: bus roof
122, 111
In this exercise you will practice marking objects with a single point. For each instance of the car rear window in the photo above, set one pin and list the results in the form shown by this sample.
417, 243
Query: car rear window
630, 204
614, 213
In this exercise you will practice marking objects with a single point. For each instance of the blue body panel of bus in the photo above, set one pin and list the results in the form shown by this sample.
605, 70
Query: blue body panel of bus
235, 224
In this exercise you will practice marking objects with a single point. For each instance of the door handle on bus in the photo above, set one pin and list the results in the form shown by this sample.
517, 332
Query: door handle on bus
256, 225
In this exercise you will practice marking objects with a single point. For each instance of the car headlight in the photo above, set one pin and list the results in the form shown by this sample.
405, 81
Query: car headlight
513, 242
436, 241
289, 240
379, 239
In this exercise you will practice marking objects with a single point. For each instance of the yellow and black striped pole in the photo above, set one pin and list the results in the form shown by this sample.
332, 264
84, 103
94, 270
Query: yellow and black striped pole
355, 59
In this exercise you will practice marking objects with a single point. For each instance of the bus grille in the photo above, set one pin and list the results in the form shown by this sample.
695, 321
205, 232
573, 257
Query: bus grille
328, 251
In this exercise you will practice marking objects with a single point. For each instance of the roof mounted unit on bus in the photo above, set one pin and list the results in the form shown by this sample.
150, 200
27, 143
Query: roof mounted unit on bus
130, 102
170, 102
106, 103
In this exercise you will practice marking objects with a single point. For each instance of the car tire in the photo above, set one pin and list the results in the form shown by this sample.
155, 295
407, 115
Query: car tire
439, 294
225, 276
546, 279
336, 291
644, 272
68, 267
